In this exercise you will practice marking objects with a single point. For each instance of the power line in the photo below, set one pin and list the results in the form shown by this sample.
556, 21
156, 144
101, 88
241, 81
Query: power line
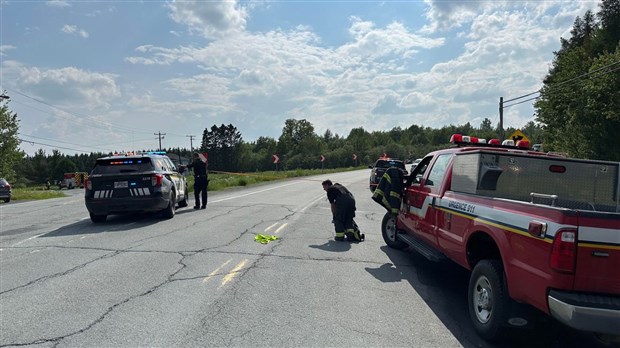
521, 102
53, 146
566, 82
97, 146
81, 117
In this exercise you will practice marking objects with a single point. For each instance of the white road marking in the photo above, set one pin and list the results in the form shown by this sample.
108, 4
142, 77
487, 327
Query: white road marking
281, 227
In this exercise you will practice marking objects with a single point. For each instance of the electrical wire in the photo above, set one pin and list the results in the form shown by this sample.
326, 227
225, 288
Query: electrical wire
82, 117
53, 146
562, 83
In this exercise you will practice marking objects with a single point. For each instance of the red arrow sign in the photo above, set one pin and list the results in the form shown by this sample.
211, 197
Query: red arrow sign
354, 157
275, 158
322, 158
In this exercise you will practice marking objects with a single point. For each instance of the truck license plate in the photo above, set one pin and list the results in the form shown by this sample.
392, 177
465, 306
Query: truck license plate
120, 184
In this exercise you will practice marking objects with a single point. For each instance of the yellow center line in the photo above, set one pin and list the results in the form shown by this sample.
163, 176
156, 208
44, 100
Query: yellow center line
270, 227
215, 272
281, 227
232, 273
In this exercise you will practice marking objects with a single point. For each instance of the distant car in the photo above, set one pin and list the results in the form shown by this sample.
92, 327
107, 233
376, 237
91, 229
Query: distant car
5, 190
134, 183
415, 164
380, 167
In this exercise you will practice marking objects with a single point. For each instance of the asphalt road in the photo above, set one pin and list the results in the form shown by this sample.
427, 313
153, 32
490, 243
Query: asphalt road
200, 279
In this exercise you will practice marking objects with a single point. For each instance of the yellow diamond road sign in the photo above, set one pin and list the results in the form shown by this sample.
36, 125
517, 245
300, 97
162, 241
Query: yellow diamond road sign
518, 135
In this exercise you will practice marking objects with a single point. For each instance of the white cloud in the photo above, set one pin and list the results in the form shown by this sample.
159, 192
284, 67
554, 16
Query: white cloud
5, 48
58, 3
375, 43
66, 86
74, 30
211, 19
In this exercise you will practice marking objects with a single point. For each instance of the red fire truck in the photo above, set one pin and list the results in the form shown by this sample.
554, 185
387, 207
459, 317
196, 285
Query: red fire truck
539, 232
73, 180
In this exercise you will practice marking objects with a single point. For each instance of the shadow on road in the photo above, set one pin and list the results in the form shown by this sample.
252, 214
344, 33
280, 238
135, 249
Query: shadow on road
443, 286
114, 223
333, 246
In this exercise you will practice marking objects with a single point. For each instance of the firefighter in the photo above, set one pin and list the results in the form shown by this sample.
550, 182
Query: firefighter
200, 181
343, 211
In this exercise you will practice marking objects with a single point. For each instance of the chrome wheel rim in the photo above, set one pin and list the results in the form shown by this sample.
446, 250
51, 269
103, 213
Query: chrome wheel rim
483, 299
390, 229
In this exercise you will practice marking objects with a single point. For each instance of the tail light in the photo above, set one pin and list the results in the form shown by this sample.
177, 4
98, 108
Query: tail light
88, 184
156, 180
564, 251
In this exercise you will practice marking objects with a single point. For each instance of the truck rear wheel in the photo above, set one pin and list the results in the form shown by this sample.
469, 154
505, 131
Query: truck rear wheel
488, 299
388, 230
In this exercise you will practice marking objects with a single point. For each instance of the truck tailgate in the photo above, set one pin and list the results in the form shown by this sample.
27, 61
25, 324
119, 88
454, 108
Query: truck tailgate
598, 254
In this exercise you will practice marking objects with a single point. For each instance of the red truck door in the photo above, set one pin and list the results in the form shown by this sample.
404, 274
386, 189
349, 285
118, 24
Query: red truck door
421, 213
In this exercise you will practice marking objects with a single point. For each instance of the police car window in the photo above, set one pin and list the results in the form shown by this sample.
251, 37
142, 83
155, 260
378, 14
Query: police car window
161, 165
437, 171
167, 164
171, 165
121, 165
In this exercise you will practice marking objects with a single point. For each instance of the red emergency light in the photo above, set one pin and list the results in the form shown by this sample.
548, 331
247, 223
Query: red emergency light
457, 139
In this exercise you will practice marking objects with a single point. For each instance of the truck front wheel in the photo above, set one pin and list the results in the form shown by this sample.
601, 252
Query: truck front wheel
388, 230
488, 299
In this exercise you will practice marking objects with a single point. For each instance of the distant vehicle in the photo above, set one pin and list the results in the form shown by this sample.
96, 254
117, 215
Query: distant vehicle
381, 166
415, 164
5, 190
73, 180
134, 183
537, 147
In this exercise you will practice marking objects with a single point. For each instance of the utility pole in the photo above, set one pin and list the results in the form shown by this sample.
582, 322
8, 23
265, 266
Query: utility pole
160, 135
191, 143
501, 119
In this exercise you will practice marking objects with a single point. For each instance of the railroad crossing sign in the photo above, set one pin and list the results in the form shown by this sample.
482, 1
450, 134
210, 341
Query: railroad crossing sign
275, 159
518, 135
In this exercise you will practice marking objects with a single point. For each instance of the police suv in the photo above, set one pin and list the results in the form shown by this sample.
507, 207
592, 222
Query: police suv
133, 182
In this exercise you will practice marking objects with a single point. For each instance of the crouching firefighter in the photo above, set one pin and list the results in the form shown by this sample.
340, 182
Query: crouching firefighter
343, 211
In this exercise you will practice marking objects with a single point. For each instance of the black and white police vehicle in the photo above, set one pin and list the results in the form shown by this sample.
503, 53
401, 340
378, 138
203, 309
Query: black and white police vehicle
134, 182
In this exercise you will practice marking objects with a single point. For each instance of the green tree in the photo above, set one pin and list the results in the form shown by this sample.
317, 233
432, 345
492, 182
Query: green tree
578, 103
223, 144
10, 155
609, 17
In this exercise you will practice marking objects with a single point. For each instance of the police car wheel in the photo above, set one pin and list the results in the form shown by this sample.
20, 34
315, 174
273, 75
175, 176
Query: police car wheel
183, 203
169, 212
488, 299
97, 218
388, 231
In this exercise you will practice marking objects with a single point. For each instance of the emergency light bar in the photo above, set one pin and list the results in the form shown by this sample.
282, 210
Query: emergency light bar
464, 140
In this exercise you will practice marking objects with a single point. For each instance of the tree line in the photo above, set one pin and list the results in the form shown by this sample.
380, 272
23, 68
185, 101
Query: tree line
577, 113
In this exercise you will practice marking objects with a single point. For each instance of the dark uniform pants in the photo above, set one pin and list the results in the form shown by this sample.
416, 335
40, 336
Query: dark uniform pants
200, 187
343, 217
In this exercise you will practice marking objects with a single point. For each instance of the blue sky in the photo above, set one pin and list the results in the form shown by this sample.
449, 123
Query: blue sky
105, 76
